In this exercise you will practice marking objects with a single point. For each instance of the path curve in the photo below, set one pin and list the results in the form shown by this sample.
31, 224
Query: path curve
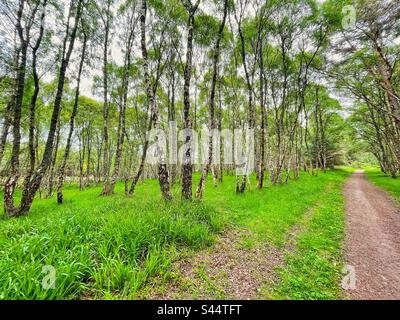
372, 240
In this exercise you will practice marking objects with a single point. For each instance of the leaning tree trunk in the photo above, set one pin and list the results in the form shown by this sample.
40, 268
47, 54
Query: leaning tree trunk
8, 111
142, 161
12, 180
30, 189
53, 164
32, 106
61, 173
6, 126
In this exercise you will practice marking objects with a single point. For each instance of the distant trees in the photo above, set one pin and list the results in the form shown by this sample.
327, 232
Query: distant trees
369, 70
106, 17
216, 54
130, 21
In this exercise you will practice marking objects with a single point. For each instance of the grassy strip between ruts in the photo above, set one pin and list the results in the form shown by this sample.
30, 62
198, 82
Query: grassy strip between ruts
313, 269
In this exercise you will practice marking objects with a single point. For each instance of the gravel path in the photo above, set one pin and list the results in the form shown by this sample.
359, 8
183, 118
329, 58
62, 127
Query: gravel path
372, 241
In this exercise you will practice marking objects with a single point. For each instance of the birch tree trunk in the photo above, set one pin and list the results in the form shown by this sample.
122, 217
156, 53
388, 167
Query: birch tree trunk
162, 166
261, 165
206, 169
11, 182
32, 105
106, 148
30, 189
187, 168
61, 173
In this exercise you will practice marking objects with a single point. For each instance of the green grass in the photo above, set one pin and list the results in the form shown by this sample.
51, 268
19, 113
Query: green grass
100, 247
384, 181
313, 269
110, 247
272, 211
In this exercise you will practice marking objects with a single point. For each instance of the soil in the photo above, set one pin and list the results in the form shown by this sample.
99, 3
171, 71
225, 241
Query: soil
372, 247
230, 269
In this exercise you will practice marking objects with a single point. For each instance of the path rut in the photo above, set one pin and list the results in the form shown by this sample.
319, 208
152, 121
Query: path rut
372, 240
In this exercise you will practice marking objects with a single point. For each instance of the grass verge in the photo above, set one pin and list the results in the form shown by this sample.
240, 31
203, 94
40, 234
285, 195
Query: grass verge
384, 181
313, 269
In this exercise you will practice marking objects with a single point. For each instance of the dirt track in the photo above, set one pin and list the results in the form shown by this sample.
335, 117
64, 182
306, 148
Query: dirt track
372, 240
